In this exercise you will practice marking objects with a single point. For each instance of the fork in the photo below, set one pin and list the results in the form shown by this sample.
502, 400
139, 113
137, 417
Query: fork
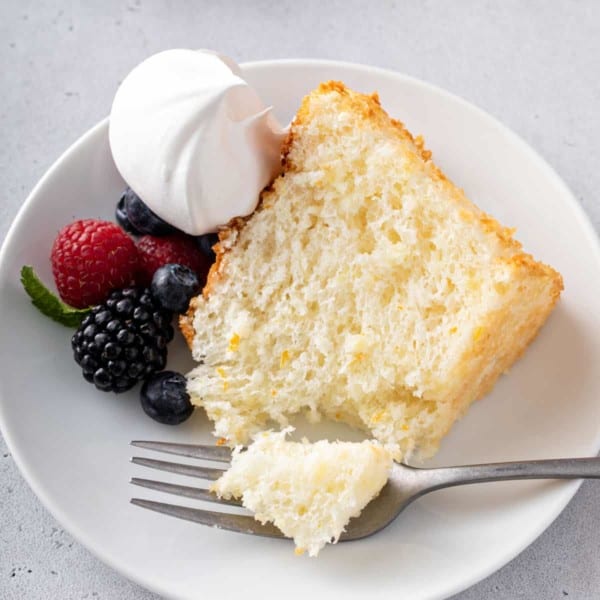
404, 485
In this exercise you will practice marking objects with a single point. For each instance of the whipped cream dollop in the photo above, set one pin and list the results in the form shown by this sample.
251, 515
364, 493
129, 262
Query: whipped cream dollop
193, 139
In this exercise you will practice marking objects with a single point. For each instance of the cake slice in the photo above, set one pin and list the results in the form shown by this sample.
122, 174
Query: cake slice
309, 491
365, 287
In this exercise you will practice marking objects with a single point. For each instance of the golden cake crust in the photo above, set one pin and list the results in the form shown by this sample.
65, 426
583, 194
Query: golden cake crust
369, 107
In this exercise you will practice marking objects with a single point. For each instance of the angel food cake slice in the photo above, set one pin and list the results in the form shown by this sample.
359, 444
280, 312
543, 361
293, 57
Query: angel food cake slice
365, 287
309, 491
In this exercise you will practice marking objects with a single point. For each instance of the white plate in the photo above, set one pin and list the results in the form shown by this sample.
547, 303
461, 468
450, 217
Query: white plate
71, 442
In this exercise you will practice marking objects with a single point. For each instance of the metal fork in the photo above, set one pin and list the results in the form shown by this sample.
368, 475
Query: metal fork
405, 485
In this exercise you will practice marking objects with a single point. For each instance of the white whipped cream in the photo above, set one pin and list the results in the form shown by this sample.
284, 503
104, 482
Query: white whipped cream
193, 139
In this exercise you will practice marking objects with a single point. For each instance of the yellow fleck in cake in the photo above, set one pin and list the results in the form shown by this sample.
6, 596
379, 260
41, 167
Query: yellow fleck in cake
309, 491
365, 287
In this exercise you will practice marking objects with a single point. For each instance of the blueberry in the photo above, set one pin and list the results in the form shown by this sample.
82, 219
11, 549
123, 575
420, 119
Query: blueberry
165, 399
121, 216
206, 242
141, 218
174, 286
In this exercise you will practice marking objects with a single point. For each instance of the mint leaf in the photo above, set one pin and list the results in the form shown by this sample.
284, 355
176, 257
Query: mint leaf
47, 303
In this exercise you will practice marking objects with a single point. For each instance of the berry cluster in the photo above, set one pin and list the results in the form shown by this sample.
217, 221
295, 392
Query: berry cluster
132, 277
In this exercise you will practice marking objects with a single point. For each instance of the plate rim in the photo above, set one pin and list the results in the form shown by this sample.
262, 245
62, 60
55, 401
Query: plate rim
569, 488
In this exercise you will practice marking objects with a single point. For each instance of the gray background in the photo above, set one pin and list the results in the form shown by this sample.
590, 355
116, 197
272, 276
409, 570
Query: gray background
534, 65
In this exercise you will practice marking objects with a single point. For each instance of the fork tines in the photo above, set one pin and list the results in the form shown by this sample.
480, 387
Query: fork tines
183, 490
216, 453
190, 470
237, 523
231, 522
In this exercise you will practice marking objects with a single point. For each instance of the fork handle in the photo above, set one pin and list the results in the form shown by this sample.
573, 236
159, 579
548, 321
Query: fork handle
562, 468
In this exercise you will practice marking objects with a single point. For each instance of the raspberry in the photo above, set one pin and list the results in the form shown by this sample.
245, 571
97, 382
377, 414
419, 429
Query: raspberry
90, 258
180, 249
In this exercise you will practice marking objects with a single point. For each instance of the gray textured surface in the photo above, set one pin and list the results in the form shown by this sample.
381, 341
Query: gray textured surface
534, 65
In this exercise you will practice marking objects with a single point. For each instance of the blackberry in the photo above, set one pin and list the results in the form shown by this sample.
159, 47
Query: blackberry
123, 340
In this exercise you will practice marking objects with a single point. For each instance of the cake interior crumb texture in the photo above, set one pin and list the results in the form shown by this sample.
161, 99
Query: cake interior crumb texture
309, 491
365, 288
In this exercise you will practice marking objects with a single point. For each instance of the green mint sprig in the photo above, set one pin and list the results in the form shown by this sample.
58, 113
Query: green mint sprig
48, 303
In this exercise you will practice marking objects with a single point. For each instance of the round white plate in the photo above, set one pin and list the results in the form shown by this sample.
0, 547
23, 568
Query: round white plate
71, 441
